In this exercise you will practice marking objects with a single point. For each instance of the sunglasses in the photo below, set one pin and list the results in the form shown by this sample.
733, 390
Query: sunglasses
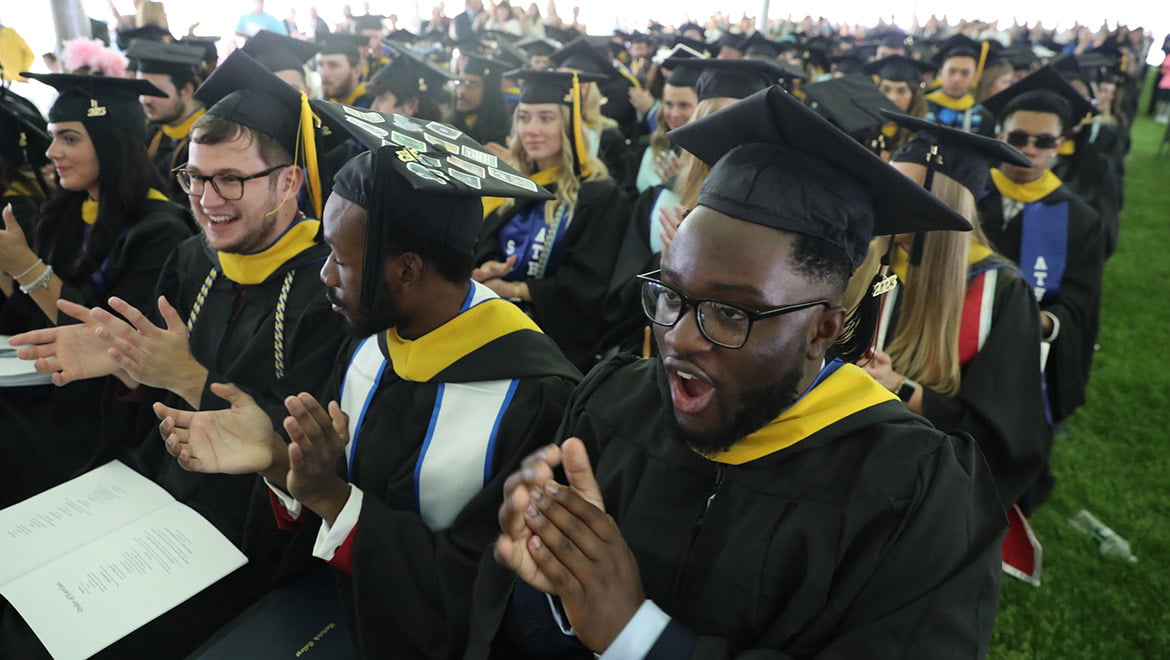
1021, 139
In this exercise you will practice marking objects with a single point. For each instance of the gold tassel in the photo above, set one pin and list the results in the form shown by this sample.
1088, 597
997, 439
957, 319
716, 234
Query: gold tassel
982, 62
305, 137
646, 342
582, 155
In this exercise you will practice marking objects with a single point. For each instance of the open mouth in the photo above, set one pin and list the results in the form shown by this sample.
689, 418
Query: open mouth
691, 391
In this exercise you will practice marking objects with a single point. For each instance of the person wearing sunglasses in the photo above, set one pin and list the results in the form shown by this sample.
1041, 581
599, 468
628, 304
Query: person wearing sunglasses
1037, 221
744, 493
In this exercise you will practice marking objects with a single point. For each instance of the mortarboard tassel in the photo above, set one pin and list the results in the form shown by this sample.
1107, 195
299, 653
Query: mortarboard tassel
580, 155
306, 138
983, 51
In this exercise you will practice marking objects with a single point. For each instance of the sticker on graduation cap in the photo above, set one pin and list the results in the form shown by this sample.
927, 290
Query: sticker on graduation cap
444, 160
445, 130
369, 116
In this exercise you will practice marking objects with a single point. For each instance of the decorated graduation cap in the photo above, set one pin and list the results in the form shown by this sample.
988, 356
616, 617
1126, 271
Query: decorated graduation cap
900, 68
736, 79
563, 88
851, 103
277, 52
1044, 81
964, 157
431, 77
96, 100
243, 91
777, 163
419, 176
177, 60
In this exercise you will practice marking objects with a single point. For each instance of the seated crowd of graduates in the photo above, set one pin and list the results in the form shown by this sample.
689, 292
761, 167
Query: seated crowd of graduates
354, 328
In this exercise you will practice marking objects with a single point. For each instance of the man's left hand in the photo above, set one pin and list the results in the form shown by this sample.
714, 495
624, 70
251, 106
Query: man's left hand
318, 444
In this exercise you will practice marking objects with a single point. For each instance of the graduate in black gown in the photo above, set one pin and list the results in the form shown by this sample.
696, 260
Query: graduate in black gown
439, 394
106, 232
731, 515
479, 100
243, 304
174, 69
556, 258
953, 104
1057, 239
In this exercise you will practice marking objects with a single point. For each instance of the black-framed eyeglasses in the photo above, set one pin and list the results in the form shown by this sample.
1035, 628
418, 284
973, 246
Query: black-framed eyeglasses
723, 324
1021, 139
227, 186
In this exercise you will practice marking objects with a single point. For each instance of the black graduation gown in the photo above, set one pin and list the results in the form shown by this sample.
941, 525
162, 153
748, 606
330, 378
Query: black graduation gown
1077, 305
624, 319
410, 592
877, 536
49, 431
489, 126
568, 304
614, 151
1000, 402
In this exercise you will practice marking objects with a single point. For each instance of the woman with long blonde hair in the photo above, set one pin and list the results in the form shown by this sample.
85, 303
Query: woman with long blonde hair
958, 340
556, 258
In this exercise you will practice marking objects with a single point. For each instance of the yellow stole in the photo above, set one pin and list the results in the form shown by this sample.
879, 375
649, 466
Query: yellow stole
89, 208
255, 268
1067, 148
1026, 192
961, 104
184, 129
353, 95
890, 129
848, 391
420, 360
24, 189
541, 178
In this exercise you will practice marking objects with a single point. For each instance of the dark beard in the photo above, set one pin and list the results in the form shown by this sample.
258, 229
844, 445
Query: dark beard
362, 323
756, 409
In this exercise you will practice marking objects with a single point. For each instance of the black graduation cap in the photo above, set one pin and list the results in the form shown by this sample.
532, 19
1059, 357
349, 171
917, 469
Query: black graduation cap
900, 68
958, 45
848, 63
500, 35
757, 45
965, 157
368, 22
1042, 80
1020, 58
538, 46
683, 76
484, 67
637, 37
123, 38
777, 163
581, 56
431, 76
23, 134
243, 91
421, 176
683, 51
98, 99
562, 35
402, 36
177, 60
730, 78
1095, 65
851, 103
210, 52
277, 52
342, 44
691, 25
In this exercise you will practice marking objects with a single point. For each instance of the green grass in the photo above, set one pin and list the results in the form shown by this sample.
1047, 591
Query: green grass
1114, 460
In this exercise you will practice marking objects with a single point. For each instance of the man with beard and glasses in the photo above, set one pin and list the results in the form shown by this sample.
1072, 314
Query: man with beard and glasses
241, 303
745, 494
441, 392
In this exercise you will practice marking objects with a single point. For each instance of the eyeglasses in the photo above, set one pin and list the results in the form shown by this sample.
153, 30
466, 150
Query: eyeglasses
227, 186
723, 324
1021, 139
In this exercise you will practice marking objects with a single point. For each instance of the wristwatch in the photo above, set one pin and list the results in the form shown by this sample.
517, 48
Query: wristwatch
906, 390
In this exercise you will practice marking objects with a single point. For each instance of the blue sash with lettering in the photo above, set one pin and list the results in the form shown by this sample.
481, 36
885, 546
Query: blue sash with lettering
1044, 247
534, 242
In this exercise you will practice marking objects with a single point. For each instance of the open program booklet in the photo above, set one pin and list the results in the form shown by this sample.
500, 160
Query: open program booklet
91, 560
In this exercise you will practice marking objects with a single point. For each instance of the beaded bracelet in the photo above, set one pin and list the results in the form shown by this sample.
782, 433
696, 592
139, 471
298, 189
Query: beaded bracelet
41, 282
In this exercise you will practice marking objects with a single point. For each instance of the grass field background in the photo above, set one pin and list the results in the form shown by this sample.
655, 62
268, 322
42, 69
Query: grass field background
1115, 458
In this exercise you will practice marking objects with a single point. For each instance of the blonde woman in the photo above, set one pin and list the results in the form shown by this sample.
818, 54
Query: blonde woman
555, 258
958, 340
